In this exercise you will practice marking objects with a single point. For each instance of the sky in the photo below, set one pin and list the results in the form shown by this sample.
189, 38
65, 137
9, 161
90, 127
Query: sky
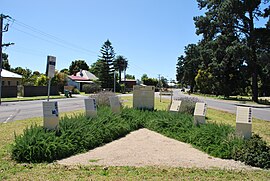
151, 34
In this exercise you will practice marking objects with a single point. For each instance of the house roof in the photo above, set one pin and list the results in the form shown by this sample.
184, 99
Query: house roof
8, 74
86, 74
79, 78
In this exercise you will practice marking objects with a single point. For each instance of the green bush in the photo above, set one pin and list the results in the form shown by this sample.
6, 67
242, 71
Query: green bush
254, 152
90, 88
78, 134
76, 91
102, 98
188, 104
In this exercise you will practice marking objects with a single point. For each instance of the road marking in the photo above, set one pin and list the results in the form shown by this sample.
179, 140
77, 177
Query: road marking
12, 116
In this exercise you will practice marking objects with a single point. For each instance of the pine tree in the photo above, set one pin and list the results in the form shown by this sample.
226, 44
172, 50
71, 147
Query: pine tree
107, 70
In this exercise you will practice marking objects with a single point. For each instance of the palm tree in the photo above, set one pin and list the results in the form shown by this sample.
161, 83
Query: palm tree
120, 64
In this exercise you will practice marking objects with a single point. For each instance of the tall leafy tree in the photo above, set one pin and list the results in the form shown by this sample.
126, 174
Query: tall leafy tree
77, 65
188, 65
120, 64
106, 69
5, 63
237, 16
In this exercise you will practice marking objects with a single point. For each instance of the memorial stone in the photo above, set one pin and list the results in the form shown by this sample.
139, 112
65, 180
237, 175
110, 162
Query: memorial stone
90, 107
143, 97
50, 115
200, 113
244, 121
175, 106
115, 104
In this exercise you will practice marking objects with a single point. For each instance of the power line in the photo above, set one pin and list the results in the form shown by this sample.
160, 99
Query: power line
59, 40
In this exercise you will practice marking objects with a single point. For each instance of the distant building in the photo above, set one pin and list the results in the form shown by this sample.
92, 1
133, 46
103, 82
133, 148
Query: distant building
10, 78
86, 74
129, 84
81, 78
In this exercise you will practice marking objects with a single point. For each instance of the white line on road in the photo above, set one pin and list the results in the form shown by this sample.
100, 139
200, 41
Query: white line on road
12, 116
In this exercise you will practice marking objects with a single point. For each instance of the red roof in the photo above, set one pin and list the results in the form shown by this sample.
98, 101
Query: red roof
72, 77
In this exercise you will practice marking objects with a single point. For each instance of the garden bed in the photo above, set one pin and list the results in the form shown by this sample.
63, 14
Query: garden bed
79, 134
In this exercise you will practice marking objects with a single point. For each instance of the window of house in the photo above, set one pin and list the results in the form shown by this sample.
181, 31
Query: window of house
17, 82
3, 82
8, 83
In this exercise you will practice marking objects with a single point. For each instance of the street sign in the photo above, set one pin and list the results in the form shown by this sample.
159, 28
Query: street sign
115, 104
50, 115
200, 113
244, 121
90, 107
50, 71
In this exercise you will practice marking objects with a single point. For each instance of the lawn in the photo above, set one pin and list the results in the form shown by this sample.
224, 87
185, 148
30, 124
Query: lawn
31, 98
10, 170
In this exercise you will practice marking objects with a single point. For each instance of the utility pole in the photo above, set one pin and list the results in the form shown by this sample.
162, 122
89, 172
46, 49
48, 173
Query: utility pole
2, 17
159, 87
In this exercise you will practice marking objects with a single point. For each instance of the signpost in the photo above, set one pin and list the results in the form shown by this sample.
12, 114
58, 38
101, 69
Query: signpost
50, 115
50, 71
200, 113
244, 121
90, 107
143, 97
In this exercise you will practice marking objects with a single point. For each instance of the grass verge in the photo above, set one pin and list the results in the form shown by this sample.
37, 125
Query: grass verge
31, 98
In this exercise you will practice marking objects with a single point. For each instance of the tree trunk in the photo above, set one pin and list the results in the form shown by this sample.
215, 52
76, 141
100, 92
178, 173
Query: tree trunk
255, 84
253, 59
120, 76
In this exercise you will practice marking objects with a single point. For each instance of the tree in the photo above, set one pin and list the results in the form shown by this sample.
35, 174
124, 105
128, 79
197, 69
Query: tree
120, 64
59, 79
65, 70
144, 76
149, 81
236, 16
5, 63
96, 68
106, 69
77, 65
187, 66
128, 76
41, 80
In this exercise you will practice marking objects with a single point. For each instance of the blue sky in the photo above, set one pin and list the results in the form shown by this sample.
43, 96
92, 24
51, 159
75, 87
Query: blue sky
151, 34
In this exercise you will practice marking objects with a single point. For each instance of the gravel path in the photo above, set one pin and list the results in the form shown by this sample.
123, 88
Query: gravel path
147, 148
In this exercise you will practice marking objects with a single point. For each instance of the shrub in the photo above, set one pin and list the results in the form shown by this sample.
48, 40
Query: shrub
90, 88
78, 134
102, 98
188, 104
76, 91
254, 152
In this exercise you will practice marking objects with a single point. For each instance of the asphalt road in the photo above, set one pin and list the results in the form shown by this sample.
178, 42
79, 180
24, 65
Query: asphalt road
12, 111
262, 112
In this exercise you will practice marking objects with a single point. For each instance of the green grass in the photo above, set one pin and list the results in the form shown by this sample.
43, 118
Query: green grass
31, 98
241, 99
260, 127
11, 170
